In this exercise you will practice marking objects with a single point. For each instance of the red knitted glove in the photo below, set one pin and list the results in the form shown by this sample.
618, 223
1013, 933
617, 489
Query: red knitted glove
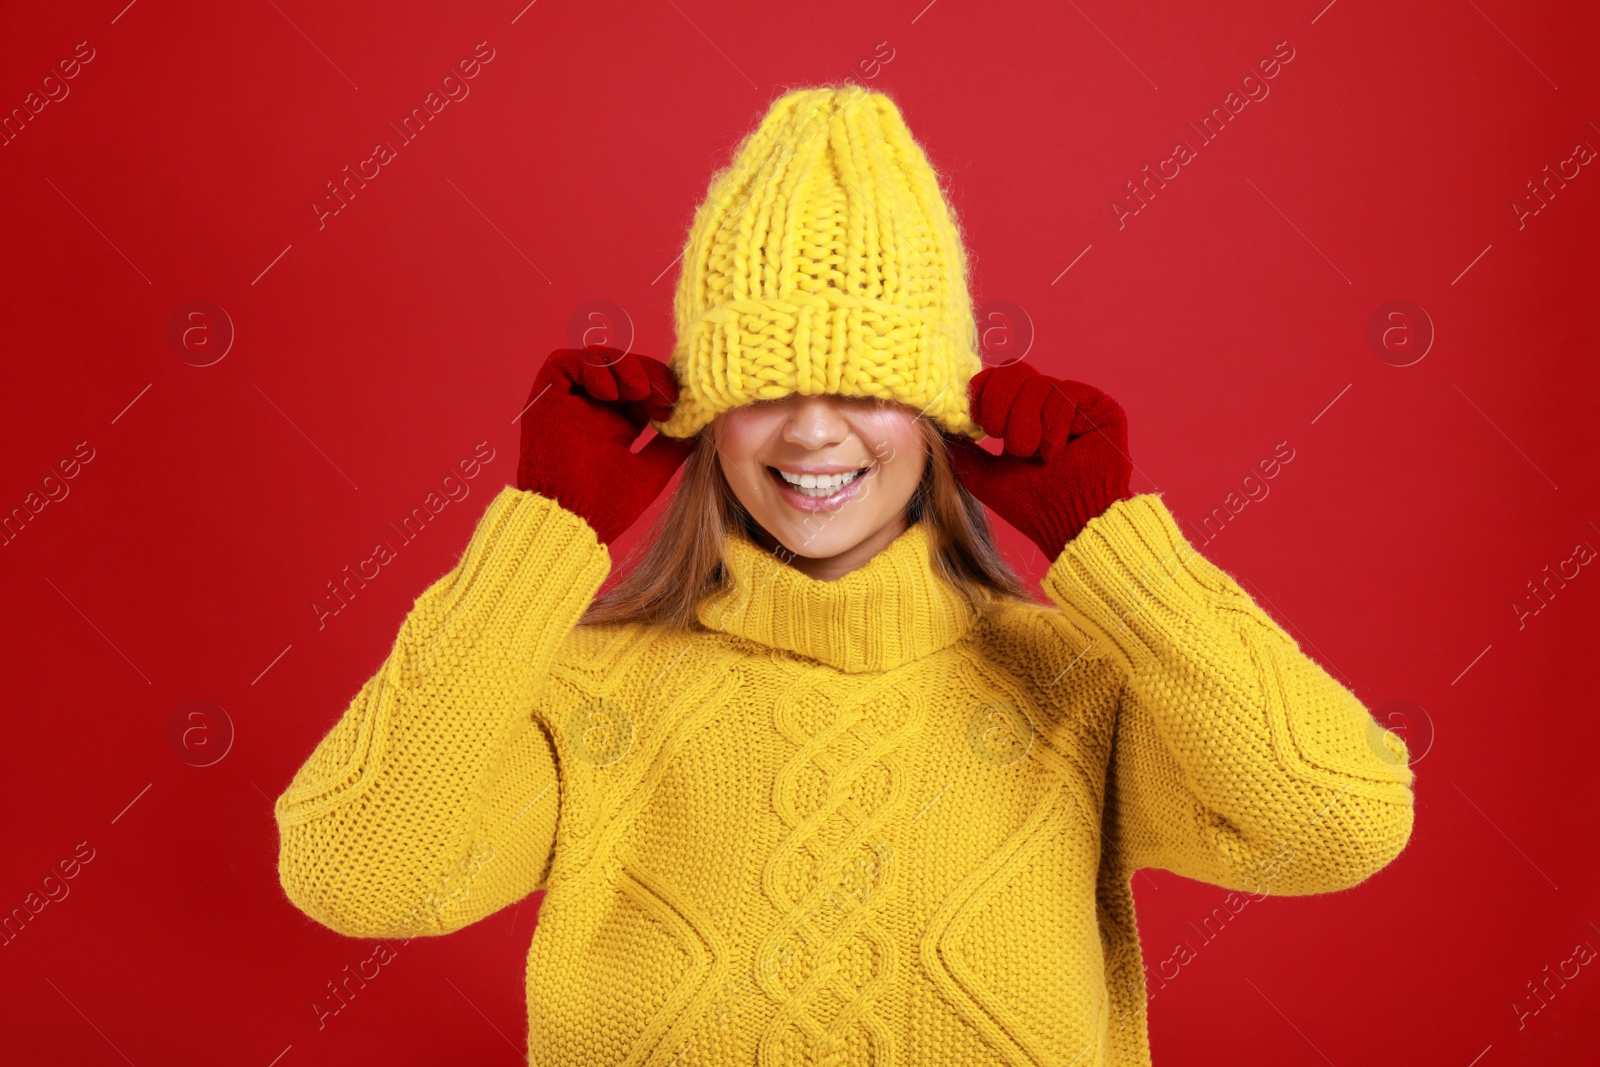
1065, 458
587, 408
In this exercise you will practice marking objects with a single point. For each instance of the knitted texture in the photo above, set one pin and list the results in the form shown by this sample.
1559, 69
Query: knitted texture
587, 407
1065, 459
845, 823
825, 259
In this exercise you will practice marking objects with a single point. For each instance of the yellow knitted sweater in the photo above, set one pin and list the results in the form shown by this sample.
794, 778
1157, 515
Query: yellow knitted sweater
846, 823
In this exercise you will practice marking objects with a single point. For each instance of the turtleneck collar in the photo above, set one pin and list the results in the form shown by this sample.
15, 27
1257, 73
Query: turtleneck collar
891, 611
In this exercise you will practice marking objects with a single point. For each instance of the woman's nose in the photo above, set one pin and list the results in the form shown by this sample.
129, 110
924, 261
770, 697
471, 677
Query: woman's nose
814, 423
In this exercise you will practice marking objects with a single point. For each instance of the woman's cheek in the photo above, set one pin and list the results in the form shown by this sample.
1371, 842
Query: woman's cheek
896, 455
742, 433
889, 433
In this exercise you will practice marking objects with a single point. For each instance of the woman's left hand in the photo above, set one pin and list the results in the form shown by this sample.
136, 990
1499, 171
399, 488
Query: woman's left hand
1065, 459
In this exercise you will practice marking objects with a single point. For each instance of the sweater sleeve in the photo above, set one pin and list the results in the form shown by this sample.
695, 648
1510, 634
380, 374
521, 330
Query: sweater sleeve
432, 802
1237, 759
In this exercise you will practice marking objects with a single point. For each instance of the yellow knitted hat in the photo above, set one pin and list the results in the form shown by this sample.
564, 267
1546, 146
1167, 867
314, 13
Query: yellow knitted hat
825, 259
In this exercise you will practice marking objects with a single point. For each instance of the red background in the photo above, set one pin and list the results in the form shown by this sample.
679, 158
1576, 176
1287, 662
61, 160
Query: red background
375, 352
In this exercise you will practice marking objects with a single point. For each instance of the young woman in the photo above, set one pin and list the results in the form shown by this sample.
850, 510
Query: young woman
817, 781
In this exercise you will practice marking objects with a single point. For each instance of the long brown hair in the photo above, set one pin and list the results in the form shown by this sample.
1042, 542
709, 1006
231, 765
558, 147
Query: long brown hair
679, 562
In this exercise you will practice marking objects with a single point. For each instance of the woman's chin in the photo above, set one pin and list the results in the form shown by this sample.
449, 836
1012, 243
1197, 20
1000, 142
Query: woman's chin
825, 536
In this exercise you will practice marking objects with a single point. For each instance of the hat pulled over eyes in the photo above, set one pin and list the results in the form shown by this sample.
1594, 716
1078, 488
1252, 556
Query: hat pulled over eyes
825, 259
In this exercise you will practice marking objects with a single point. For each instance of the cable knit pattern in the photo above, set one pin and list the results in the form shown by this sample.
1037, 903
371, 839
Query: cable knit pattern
844, 823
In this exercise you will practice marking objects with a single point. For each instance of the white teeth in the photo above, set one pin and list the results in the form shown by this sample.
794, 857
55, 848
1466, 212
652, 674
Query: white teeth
818, 485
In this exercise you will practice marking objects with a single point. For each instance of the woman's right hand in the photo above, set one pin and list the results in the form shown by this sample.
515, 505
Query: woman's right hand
587, 408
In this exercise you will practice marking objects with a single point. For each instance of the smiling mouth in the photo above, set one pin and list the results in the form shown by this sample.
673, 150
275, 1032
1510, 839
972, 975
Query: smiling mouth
816, 486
